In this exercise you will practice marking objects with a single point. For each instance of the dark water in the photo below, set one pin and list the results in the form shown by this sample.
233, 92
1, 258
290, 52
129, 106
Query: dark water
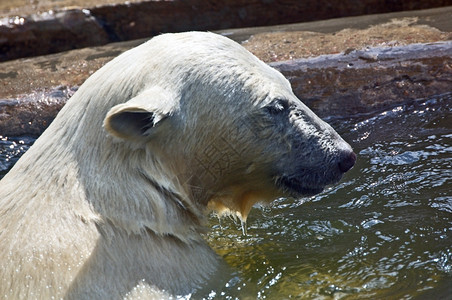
384, 232
11, 149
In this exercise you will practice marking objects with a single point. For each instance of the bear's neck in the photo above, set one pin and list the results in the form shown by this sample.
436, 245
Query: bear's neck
81, 217
134, 191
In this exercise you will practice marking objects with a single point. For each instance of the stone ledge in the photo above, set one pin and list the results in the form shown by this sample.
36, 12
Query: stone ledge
51, 32
373, 79
349, 83
31, 114
366, 63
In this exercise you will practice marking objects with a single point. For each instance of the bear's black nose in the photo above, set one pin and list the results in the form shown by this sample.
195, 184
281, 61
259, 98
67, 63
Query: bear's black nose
347, 161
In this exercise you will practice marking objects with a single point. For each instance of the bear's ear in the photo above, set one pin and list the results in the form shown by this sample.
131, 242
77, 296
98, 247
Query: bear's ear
138, 117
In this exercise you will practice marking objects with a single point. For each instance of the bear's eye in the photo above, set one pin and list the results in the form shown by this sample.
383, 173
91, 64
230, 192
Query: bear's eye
277, 106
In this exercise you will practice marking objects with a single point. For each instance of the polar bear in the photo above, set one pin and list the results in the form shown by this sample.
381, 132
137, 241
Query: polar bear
110, 202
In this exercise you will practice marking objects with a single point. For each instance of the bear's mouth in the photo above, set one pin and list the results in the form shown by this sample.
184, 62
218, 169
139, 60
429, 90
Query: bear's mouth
296, 187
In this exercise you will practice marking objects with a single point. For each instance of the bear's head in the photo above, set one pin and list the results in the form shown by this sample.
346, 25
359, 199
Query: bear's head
226, 129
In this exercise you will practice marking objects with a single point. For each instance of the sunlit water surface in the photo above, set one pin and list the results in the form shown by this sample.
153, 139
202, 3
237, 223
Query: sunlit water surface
384, 232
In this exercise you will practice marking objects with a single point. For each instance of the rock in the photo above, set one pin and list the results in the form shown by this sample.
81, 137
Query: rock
31, 114
360, 79
28, 75
33, 90
49, 33
82, 26
277, 46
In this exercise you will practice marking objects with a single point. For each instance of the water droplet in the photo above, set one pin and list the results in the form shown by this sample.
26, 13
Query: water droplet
244, 231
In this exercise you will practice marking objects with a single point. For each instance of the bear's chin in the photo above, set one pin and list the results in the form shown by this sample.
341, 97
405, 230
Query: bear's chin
296, 188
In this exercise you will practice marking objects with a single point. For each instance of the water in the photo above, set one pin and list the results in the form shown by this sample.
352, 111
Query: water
384, 232
10, 151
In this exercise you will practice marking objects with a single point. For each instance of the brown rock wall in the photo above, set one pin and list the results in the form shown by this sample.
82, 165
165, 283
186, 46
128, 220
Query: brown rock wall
363, 81
373, 63
277, 46
50, 32
360, 81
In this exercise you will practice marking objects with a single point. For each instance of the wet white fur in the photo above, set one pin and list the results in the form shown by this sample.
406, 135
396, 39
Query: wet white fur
93, 213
